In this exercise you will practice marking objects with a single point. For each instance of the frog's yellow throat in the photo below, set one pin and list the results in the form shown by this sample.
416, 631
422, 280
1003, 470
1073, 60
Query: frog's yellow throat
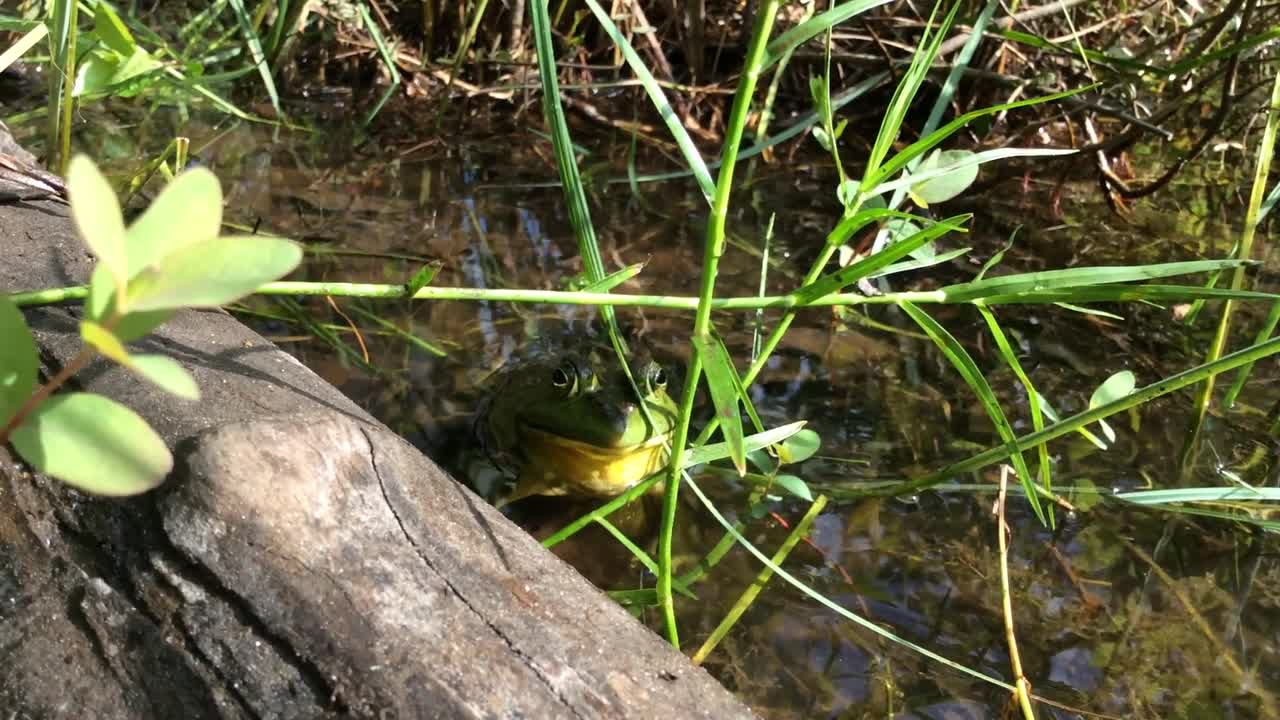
556, 465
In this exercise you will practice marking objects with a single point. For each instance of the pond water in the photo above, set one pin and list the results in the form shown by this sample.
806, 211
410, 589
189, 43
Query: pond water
1119, 611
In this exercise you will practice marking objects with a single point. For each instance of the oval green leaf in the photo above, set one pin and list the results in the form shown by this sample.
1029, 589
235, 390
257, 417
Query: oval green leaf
795, 486
213, 272
102, 340
97, 217
1113, 388
94, 444
18, 359
949, 184
188, 210
167, 373
799, 447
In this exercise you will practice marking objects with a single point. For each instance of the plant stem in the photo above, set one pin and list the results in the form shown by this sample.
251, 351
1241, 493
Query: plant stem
551, 297
713, 248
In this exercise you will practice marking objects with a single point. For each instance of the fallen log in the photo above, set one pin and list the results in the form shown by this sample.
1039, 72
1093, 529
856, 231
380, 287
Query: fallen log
301, 562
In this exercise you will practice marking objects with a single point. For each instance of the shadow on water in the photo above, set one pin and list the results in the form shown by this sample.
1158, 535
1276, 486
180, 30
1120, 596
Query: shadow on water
1120, 611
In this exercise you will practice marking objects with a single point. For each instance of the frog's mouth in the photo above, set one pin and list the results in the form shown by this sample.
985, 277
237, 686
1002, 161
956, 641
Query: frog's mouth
561, 465
544, 437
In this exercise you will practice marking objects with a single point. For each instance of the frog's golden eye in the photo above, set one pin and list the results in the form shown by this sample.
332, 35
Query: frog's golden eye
657, 377
565, 378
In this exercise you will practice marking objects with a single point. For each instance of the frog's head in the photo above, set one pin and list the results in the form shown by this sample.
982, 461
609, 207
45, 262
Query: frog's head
571, 423
585, 398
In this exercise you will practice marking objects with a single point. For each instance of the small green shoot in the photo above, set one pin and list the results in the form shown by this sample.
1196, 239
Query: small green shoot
173, 257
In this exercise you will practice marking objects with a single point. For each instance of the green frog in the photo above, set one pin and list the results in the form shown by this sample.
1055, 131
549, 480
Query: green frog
569, 423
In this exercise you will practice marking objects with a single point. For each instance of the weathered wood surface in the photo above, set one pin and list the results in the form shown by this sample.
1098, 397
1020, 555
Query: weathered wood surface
302, 562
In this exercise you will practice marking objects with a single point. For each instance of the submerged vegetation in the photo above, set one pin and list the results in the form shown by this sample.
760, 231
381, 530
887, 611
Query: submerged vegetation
947, 101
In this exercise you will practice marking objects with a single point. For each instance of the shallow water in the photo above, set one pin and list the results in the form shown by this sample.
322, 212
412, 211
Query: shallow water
1121, 611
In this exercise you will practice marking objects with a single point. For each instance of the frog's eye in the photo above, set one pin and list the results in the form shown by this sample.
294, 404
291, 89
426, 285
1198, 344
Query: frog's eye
657, 377
565, 378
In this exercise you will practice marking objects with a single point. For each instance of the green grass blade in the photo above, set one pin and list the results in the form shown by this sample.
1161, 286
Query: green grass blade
748, 596
1123, 293
979, 158
828, 603
1075, 422
388, 59
968, 369
1033, 397
1077, 277
904, 94
256, 52
24, 43
814, 26
721, 381
853, 273
688, 149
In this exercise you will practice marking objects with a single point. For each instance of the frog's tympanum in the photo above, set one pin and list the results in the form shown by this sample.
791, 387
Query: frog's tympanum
571, 424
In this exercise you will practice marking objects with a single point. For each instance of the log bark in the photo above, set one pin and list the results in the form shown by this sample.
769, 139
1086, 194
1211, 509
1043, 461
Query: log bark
301, 562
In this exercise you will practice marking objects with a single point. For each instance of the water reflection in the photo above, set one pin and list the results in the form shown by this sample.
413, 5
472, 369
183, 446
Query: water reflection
1118, 610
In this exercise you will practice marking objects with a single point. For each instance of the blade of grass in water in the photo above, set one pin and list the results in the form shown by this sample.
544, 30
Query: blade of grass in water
1266, 152
968, 369
256, 52
1081, 419
388, 60
749, 595
688, 149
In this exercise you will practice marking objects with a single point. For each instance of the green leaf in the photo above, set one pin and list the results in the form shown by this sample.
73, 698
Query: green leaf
853, 273
762, 460
795, 486
968, 369
104, 341
213, 272
188, 210
716, 451
167, 374
93, 443
1113, 388
796, 36
718, 367
1050, 280
423, 277
799, 447
19, 361
941, 188
614, 279
111, 31
877, 175
823, 138
97, 217
103, 71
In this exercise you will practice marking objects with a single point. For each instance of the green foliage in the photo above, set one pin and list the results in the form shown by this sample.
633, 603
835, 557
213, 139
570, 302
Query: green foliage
18, 359
114, 64
93, 443
173, 257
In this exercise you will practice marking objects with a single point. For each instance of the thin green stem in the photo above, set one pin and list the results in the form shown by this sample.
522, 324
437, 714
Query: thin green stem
749, 595
713, 248
558, 297
1266, 148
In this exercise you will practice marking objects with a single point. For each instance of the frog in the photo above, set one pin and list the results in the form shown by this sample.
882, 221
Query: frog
569, 423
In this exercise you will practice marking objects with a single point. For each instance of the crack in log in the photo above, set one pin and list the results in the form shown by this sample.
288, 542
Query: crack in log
524, 657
